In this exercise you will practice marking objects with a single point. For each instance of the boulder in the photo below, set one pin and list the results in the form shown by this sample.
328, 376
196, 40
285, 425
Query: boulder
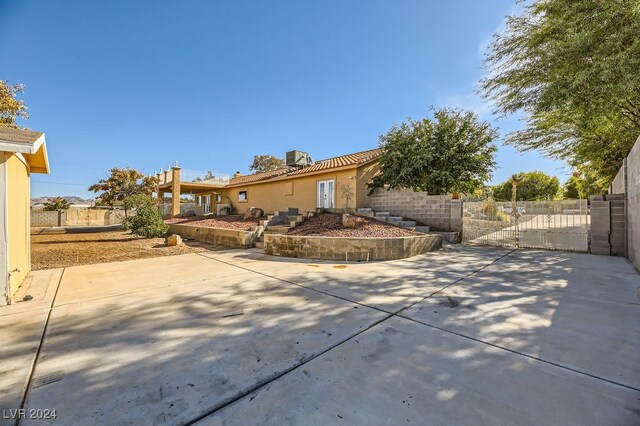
350, 221
189, 213
254, 213
174, 240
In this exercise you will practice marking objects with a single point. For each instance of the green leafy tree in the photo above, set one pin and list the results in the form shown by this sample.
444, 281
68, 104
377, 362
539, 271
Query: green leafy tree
147, 221
584, 183
57, 204
572, 68
529, 186
266, 163
134, 202
453, 152
123, 183
10, 107
570, 189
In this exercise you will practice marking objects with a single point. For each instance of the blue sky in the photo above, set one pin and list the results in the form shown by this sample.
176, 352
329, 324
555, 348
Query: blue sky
211, 83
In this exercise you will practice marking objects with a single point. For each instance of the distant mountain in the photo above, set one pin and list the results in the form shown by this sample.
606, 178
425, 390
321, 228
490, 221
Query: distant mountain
70, 199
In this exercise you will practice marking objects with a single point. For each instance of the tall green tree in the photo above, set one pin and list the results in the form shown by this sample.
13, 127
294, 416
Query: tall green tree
530, 186
584, 183
122, 183
57, 204
572, 68
453, 152
266, 163
11, 108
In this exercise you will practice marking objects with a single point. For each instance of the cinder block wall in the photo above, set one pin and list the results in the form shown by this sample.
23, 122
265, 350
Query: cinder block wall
633, 204
439, 212
42, 218
627, 183
608, 225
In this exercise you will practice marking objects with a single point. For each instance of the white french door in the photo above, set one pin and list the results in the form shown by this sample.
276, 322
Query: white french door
325, 194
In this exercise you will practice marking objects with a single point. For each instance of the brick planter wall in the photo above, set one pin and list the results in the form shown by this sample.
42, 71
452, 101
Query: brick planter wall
225, 237
333, 248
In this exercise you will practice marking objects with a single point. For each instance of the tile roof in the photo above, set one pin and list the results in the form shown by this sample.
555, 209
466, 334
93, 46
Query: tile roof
26, 137
354, 159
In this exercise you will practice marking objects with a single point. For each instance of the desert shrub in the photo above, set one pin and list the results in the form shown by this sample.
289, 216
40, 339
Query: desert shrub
147, 221
490, 209
132, 203
230, 208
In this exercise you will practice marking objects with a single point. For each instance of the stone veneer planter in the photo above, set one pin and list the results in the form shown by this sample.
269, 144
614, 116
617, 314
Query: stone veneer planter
349, 248
225, 237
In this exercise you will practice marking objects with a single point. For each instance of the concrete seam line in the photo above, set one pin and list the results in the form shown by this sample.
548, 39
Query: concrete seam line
32, 369
277, 376
564, 367
285, 372
300, 285
453, 283
120, 295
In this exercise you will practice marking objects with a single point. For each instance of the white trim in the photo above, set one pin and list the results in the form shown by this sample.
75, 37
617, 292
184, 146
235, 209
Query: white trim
24, 160
329, 192
5, 291
22, 147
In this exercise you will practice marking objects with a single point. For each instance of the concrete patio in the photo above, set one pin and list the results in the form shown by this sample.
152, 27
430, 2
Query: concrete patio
466, 335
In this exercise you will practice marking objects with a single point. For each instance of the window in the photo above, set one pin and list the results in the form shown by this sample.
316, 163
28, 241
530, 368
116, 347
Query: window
288, 188
242, 196
218, 198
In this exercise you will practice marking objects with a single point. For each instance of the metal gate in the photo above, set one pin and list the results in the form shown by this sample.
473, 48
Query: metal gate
553, 225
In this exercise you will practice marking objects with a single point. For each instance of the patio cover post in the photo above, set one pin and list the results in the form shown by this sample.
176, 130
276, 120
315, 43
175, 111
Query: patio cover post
175, 191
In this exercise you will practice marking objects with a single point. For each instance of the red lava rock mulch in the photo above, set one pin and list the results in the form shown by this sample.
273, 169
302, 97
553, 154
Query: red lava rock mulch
330, 225
226, 222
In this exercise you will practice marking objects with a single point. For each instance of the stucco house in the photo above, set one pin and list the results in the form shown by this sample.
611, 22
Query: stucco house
333, 183
22, 152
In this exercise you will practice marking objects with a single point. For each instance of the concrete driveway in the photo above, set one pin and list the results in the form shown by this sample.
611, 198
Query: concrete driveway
466, 335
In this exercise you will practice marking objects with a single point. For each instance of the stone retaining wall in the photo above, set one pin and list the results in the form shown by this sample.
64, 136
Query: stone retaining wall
225, 237
334, 248
439, 212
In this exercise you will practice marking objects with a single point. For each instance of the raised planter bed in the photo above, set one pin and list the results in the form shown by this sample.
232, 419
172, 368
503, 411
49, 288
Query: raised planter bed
350, 248
233, 238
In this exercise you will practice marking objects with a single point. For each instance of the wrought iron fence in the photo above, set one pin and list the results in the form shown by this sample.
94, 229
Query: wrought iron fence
555, 225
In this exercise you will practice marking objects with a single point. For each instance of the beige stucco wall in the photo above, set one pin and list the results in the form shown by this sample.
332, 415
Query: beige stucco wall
19, 239
299, 192
364, 176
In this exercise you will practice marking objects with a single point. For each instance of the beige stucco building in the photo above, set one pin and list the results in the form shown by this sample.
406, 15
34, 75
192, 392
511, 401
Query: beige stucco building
22, 152
334, 183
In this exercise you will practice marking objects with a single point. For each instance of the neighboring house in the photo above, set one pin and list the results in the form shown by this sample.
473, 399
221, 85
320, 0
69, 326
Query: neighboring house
22, 152
301, 184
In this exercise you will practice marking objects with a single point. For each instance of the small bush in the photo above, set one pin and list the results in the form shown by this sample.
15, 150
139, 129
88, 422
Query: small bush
229, 208
134, 202
147, 222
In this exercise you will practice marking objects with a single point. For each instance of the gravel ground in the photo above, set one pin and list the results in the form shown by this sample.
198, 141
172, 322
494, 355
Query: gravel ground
62, 250
226, 222
330, 225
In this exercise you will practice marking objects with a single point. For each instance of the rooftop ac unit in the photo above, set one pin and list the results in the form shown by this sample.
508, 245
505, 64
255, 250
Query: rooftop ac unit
298, 159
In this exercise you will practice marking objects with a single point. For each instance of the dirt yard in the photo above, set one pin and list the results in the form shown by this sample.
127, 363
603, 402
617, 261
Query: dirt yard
330, 225
62, 250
